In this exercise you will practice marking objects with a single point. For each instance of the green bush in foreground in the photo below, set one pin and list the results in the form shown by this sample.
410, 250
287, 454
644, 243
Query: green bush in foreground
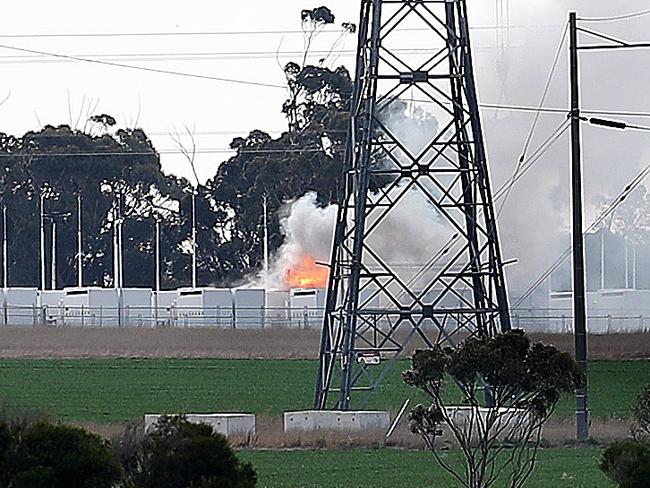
628, 464
54, 456
179, 454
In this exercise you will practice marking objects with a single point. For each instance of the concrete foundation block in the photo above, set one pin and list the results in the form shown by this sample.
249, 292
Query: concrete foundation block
223, 423
310, 420
508, 422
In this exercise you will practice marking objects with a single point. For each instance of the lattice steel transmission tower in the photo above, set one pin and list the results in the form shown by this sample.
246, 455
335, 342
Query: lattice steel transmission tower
412, 55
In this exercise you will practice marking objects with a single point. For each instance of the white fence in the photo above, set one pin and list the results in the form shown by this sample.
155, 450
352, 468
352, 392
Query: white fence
561, 321
535, 320
129, 316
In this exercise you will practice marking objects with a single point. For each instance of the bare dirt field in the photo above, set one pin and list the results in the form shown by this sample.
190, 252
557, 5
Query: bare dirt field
278, 343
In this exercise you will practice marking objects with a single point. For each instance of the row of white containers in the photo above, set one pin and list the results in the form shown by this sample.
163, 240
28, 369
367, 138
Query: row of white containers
610, 311
220, 307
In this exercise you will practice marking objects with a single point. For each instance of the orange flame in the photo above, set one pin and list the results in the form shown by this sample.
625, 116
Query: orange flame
307, 274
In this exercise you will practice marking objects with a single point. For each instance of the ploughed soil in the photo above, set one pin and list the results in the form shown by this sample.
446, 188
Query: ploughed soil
276, 343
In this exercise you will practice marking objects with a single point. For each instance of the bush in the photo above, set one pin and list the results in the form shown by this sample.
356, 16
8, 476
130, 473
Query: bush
641, 415
53, 456
628, 464
179, 454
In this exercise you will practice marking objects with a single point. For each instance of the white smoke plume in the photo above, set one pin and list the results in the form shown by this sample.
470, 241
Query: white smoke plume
308, 231
409, 235
535, 221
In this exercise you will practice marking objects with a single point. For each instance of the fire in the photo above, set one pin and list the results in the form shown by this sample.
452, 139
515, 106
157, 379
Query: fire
307, 274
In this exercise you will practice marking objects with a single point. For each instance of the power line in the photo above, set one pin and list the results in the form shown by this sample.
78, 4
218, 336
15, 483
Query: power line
194, 56
34, 135
558, 110
163, 152
240, 33
496, 106
523, 166
633, 15
616, 113
142, 68
516, 108
614, 124
545, 93
560, 130
616, 202
504, 190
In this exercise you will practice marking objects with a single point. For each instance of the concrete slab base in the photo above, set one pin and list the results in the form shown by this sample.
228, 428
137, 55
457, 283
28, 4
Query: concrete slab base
509, 423
223, 423
310, 420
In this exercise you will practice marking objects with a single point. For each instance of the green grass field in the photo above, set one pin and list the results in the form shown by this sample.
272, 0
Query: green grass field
116, 390
570, 468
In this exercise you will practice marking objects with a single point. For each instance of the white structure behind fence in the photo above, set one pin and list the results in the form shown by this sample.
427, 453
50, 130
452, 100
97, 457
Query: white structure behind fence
609, 311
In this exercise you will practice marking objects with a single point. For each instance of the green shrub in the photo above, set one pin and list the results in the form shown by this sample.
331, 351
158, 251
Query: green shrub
55, 456
179, 454
628, 464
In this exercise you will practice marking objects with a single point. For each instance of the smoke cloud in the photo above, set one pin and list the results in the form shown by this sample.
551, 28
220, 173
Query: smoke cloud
535, 220
308, 231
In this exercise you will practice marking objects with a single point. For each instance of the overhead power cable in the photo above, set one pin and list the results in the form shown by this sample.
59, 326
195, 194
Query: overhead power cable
191, 56
616, 113
171, 151
545, 93
142, 68
502, 192
36, 135
525, 165
632, 15
615, 203
240, 33
496, 106
159, 133
531, 132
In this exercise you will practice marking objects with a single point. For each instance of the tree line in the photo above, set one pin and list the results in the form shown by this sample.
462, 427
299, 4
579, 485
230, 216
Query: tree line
110, 168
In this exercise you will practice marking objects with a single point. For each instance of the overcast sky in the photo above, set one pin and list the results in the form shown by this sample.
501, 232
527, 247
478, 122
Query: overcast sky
53, 91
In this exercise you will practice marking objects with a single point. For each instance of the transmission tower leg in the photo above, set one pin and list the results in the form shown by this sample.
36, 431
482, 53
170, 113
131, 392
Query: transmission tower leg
377, 306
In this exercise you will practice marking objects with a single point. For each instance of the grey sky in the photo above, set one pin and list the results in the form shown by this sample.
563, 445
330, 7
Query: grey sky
39, 87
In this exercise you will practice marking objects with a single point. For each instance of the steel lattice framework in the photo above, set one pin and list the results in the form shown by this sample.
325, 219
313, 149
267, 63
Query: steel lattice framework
410, 54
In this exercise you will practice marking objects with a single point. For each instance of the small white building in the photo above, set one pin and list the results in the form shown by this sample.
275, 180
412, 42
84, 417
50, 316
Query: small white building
20, 306
163, 305
50, 303
277, 308
90, 306
201, 307
608, 311
110, 307
136, 307
307, 306
250, 306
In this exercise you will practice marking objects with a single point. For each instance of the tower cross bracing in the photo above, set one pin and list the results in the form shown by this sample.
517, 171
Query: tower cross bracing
410, 54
